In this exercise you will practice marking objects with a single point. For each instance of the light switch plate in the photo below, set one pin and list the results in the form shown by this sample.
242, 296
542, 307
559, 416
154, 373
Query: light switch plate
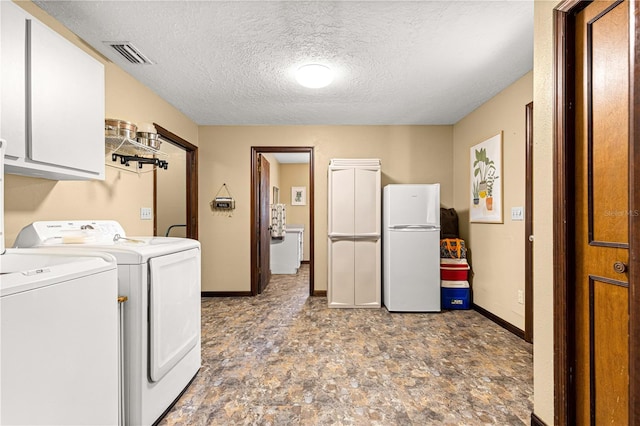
145, 213
517, 213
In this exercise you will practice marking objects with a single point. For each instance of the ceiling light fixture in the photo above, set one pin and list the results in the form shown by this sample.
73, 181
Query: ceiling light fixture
314, 76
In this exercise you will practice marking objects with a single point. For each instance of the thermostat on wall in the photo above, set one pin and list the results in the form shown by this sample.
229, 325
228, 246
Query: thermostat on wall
223, 203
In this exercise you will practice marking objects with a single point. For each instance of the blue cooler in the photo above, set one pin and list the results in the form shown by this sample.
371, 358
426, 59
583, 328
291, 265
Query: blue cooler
455, 295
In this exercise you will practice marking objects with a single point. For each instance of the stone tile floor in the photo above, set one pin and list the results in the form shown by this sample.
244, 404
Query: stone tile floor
284, 358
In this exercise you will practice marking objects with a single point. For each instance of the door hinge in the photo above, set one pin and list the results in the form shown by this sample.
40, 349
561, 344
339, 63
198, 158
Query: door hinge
571, 378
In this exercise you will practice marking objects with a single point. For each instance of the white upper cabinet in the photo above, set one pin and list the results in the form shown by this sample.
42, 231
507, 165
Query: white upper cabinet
67, 103
13, 78
52, 102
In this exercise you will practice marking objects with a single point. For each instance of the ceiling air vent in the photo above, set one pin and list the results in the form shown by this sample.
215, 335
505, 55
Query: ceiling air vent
129, 52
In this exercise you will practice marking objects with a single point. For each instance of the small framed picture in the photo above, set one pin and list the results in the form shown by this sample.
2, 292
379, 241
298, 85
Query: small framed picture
298, 195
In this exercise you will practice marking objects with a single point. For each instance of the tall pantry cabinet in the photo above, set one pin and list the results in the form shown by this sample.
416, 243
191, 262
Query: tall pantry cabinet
354, 233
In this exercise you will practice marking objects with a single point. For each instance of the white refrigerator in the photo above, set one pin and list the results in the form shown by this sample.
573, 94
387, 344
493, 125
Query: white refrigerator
411, 247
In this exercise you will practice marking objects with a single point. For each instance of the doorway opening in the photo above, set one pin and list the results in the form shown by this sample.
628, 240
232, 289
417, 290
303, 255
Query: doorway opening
263, 193
181, 218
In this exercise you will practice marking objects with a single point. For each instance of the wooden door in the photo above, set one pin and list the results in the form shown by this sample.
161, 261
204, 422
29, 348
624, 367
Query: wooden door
264, 226
602, 214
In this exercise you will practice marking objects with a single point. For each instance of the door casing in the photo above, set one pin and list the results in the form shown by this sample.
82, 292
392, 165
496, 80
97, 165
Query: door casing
563, 196
192, 180
255, 206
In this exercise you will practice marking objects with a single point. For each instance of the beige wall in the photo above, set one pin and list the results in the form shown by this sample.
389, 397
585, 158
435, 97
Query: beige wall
121, 194
409, 154
496, 250
543, 210
296, 175
171, 194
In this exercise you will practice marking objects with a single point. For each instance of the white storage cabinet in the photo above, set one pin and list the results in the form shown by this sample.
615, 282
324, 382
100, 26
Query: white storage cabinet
52, 101
354, 234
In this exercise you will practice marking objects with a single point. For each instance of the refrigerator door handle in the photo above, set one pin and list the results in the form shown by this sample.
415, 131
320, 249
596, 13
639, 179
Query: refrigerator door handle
413, 227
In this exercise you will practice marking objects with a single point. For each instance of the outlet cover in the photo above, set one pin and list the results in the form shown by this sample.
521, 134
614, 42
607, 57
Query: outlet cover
145, 213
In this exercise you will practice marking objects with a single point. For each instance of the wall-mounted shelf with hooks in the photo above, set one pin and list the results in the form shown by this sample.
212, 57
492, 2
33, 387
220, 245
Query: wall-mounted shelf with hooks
123, 150
125, 159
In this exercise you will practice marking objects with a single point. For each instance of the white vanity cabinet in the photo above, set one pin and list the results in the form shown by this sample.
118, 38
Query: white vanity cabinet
52, 101
286, 254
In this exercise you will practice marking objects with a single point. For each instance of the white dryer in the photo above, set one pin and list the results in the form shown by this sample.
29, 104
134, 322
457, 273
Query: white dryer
160, 276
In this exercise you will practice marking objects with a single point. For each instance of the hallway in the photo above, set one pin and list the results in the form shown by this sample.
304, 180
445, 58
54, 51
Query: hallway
285, 358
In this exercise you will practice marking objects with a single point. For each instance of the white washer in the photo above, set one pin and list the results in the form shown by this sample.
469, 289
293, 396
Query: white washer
59, 357
161, 278
59, 328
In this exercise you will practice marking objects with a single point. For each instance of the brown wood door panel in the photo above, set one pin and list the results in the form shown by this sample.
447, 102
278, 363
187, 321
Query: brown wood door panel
608, 97
602, 214
608, 304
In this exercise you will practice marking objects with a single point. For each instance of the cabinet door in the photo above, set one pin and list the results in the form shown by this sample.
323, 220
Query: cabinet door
367, 284
341, 202
13, 39
341, 272
367, 201
67, 104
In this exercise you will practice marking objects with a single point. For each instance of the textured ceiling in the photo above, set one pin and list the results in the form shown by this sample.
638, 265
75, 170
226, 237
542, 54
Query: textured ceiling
396, 62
